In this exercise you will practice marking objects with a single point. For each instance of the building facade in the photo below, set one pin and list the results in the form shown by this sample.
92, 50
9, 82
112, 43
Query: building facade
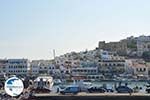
112, 67
118, 47
18, 66
143, 44
3, 64
140, 70
34, 67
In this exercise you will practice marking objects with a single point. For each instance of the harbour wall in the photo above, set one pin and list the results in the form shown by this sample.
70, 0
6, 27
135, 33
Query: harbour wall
93, 98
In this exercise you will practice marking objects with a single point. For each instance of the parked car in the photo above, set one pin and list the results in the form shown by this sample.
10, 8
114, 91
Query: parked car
96, 90
148, 90
124, 89
70, 90
109, 90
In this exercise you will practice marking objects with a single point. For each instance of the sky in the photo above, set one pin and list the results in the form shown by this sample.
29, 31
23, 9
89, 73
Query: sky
33, 28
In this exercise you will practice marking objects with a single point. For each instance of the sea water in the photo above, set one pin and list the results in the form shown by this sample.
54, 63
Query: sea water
111, 85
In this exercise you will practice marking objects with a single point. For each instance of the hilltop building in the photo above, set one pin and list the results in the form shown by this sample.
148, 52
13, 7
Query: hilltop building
143, 44
118, 47
131, 46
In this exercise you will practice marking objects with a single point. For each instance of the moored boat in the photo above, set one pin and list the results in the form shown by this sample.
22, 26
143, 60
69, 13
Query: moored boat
43, 84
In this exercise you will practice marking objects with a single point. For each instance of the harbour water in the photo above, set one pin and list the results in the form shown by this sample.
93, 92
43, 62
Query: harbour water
111, 85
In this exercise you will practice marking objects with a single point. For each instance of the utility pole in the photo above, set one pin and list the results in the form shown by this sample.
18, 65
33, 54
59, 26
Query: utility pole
54, 61
54, 54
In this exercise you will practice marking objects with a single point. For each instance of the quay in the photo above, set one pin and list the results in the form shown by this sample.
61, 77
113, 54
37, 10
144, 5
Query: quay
95, 96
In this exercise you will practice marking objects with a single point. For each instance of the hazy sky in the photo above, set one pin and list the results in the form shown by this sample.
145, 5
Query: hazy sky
33, 28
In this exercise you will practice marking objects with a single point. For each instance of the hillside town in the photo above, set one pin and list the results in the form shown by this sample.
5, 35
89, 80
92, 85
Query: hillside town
126, 59
74, 50
114, 67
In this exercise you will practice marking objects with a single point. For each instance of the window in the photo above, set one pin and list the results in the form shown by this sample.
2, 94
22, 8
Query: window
144, 69
119, 64
140, 69
68, 88
97, 77
93, 77
123, 64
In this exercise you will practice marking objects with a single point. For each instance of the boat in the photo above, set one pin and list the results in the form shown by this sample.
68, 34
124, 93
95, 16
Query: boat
43, 84
148, 88
136, 89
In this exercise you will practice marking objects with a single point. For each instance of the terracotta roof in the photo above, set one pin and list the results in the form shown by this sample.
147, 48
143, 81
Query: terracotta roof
138, 65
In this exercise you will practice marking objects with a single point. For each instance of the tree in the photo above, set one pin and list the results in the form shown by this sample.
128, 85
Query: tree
146, 55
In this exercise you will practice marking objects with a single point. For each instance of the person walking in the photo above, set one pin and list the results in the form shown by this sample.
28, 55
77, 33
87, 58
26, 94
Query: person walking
57, 90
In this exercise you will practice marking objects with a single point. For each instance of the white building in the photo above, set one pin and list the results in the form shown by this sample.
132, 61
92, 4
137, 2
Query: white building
86, 70
143, 44
18, 66
44, 66
89, 73
34, 68
140, 70
128, 67
112, 67
3, 64
52, 69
